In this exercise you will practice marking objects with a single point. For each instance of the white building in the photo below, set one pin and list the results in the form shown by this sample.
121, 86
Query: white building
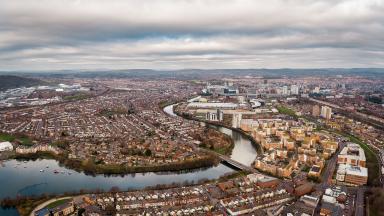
6, 146
316, 90
236, 120
352, 154
352, 164
285, 90
354, 175
294, 89
326, 112
214, 116
198, 105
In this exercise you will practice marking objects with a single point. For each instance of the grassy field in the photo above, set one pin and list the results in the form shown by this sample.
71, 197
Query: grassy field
223, 150
57, 203
286, 111
7, 137
76, 97
24, 140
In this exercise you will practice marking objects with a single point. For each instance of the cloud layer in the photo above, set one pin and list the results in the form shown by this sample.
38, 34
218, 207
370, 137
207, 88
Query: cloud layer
175, 34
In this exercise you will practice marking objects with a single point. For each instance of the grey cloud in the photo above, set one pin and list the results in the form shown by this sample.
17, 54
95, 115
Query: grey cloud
55, 34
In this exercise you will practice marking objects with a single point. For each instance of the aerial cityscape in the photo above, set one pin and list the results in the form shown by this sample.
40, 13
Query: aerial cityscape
209, 107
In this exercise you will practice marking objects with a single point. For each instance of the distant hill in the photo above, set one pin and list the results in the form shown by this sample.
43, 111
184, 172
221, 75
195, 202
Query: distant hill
9, 81
373, 73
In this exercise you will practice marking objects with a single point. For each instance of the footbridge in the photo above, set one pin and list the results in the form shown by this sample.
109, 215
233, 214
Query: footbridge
232, 162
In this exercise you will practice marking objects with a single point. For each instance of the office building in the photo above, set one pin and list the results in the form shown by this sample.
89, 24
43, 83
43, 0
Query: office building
294, 89
326, 112
285, 90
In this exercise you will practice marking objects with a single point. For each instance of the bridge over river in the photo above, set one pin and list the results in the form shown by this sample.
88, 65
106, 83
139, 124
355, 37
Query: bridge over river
231, 162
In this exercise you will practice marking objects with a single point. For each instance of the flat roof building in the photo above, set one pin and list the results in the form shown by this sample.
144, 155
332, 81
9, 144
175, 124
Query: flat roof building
354, 175
352, 154
198, 105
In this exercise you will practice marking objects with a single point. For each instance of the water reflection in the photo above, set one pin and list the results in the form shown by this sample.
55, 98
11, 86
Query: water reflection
17, 180
8, 212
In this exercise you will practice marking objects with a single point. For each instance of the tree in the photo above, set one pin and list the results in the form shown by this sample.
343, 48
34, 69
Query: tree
80, 212
147, 152
64, 133
110, 210
115, 189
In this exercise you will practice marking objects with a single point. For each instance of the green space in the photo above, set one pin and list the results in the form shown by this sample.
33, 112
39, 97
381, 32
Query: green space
222, 150
79, 96
305, 168
287, 111
25, 141
22, 139
57, 203
10, 81
7, 137
115, 111
375, 202
98, 167
63, 144
233, 175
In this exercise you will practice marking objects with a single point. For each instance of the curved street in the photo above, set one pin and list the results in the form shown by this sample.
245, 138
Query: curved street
42, 205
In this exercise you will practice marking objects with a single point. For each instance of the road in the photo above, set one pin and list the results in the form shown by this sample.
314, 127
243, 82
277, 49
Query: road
360, 197
42, 205
326, 178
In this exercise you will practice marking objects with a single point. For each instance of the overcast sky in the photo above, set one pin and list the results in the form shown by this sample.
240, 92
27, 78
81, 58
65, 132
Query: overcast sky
175, 34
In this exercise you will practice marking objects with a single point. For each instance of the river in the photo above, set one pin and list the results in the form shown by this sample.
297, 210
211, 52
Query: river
243, 150
25, 178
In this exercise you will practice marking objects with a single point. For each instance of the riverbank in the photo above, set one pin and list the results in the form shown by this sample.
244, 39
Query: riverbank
47, 203
26, 204
219, 124
91, 168
216, 141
